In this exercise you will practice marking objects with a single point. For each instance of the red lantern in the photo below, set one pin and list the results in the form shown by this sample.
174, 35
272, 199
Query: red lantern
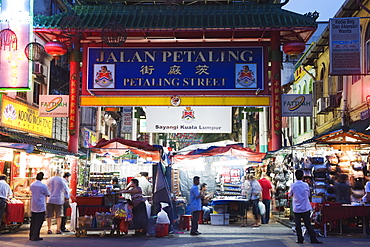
294, 48
56, 48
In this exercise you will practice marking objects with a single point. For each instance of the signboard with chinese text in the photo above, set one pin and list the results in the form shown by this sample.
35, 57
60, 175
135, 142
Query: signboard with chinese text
20, 116
229, 68
345, 46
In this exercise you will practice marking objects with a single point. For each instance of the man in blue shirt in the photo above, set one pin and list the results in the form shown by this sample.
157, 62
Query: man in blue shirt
301, 208
195, 206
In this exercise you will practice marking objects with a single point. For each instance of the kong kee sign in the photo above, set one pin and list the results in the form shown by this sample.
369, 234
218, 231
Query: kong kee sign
20, 116
229, 68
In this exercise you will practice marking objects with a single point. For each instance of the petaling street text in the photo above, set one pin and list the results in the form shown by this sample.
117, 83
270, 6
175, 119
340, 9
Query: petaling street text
186, 56
175, 82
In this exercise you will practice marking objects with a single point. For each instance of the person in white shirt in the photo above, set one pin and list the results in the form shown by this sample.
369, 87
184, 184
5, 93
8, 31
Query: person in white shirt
5, 194
300, 192
38, 206
59, 192
144, 184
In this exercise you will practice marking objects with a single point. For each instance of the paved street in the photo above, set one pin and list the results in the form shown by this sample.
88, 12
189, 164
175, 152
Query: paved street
274, 234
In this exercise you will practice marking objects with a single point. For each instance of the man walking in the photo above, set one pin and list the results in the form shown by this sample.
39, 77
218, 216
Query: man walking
54, 206
38, 206
300, 192
195, 206
266, 197
5, 193
65, 205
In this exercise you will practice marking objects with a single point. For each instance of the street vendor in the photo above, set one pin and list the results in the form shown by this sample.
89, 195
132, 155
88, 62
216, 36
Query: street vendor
140, 216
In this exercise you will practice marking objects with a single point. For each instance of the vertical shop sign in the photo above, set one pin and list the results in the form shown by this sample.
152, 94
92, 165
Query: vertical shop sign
73, 105
127, 120
345, 45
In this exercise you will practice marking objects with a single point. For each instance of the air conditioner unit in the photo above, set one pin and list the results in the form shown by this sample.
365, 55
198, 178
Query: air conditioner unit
321, 106
333, 101
38, 68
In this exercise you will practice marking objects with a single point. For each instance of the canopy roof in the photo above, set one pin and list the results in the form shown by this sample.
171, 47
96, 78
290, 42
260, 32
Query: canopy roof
227, 21
231, 150
118, 147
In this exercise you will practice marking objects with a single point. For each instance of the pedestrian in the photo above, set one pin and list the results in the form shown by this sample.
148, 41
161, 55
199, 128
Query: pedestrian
256, 197
140, 216
366, 197
5, 194
59, 192
38, 206
195, 206
300, 192
115, 183
267, 190
246, 193
145, 185
206, 198
66, 204
342, 190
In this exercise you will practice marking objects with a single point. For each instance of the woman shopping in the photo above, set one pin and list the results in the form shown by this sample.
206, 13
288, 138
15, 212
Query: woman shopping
140, 216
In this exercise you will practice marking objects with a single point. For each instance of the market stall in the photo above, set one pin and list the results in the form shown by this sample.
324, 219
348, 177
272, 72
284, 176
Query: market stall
222, 169
324, 160
123, 159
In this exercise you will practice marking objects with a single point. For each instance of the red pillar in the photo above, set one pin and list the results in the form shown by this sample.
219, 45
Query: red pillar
74, 93
275, 92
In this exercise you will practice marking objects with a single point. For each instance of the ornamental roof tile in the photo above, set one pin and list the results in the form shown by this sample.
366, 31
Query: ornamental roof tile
246, 15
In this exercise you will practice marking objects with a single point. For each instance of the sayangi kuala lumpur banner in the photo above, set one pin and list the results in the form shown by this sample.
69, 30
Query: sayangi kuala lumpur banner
229, 68
188, 119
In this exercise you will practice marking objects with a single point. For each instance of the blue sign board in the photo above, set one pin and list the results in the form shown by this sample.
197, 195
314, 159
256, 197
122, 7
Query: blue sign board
229, 68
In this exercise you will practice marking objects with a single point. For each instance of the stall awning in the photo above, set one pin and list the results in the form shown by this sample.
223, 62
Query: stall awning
27, 147
231, 150
118, 147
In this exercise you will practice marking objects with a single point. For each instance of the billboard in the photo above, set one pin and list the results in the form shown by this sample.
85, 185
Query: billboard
296, 105
54, 106
345, 46
175, 69
188, 119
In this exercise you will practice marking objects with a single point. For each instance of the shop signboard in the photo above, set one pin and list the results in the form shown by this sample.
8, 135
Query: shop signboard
296, 105
127, 120
54, 106
188, 119
345, 46
20, 116
171, 69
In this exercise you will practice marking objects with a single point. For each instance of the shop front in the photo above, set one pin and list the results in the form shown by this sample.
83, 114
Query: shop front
325, 160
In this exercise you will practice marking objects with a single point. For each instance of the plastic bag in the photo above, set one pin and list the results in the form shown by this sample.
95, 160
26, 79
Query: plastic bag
262, 208
148, 208
74, 216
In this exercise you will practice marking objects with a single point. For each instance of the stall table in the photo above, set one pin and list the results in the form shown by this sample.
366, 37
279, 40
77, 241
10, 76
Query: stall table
335, 211
235, 207
14, 216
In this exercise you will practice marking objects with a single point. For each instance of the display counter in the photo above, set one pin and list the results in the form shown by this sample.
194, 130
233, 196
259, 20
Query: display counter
335, 211
236, 207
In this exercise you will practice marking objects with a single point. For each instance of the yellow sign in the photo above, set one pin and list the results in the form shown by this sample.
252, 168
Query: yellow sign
20, 116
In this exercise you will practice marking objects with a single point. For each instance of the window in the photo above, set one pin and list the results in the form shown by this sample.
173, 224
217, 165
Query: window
37, 90
22, 95
339, 83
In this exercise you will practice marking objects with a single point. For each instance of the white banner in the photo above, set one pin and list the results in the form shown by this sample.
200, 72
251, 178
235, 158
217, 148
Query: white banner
54, 106
296, 105
345, 46
188, 119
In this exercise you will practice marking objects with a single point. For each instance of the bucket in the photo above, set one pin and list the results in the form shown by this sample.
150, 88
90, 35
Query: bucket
161, 230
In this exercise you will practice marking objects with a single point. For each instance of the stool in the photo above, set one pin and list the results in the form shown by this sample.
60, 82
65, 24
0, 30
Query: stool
185, 222
200, 220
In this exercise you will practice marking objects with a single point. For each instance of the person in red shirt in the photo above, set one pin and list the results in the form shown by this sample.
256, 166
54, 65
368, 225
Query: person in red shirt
267, 189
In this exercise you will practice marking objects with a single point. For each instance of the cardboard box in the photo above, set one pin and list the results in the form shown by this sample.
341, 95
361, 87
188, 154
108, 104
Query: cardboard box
220, 219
